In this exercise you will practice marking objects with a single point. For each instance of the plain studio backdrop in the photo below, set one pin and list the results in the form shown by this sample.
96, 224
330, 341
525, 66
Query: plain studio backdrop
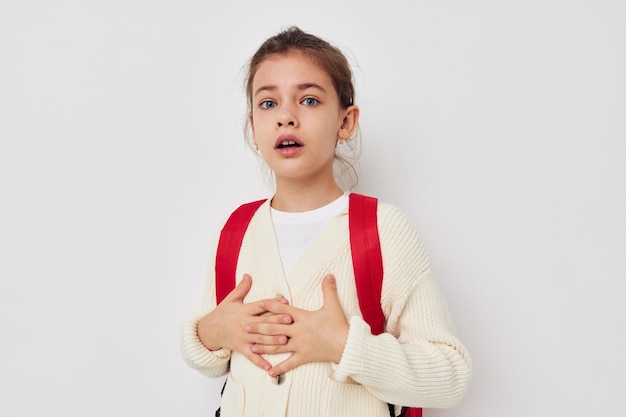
498, 126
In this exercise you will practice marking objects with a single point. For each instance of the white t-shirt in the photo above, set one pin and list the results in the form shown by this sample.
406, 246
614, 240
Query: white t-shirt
296, 231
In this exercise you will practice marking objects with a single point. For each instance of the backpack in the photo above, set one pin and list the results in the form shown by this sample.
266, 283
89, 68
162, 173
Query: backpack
366, 260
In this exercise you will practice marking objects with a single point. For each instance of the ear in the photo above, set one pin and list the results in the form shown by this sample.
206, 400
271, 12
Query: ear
349, 122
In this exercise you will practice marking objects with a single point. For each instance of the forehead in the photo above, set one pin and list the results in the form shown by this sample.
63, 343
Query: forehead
290, 69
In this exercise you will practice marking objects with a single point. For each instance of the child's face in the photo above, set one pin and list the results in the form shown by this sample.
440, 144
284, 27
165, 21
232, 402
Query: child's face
296, 118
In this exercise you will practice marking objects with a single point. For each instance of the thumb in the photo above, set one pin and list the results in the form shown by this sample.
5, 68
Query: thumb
241, 290
329, 290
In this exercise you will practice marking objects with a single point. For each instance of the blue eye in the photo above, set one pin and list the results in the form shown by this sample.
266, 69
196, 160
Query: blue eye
310, 101
267, 104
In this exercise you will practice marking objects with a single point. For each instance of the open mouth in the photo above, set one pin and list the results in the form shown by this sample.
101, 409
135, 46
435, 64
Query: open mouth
288, 144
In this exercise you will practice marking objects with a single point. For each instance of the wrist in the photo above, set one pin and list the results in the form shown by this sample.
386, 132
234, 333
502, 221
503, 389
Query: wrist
340, 343
204, 330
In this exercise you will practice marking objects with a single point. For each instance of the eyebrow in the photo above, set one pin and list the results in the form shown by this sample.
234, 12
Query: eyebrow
303, 86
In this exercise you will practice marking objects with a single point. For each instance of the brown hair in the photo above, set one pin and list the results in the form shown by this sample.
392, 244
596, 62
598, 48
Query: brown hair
331, 60
328, 57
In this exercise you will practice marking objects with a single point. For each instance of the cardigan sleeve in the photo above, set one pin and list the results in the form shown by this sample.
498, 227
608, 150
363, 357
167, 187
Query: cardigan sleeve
211, 363
418, 361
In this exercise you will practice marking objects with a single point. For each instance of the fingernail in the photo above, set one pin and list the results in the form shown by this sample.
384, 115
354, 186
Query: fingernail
330, 279
248, 328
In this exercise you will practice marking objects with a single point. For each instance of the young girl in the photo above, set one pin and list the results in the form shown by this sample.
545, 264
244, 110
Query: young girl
291, 336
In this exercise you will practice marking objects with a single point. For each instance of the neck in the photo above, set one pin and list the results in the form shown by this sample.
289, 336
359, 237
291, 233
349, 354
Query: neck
294, 196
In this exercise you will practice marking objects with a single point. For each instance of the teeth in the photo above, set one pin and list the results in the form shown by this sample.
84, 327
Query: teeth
288, 142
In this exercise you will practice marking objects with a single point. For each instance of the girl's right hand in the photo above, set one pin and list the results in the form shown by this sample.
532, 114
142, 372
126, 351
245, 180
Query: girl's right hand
225, 326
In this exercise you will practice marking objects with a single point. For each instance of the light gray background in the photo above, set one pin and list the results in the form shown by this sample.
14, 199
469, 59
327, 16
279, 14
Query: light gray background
498, 126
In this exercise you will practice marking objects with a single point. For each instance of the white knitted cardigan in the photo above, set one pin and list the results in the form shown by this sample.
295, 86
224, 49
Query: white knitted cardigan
417, 361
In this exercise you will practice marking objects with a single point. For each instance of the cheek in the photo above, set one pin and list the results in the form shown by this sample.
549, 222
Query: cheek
256, 125
259, 119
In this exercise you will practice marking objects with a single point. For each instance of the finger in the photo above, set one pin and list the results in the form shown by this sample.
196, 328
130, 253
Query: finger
329, 290
285, 366
267, 329
277, 307
278, 298
274, 319
257, 360
260, 304
241, 290
271, 348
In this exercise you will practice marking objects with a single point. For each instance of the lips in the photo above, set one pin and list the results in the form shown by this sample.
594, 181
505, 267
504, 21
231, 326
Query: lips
287, 141
288, 146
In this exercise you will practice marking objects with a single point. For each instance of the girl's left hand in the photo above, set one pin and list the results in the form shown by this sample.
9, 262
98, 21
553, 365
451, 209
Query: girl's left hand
314, 336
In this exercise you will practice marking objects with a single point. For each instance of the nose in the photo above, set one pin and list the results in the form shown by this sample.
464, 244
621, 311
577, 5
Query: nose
289, 123
286, 117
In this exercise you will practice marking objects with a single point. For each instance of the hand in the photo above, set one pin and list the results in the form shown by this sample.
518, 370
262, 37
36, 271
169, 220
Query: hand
224, 327
314, 336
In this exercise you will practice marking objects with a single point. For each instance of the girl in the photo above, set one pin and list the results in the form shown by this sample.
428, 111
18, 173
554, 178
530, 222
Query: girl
291, 335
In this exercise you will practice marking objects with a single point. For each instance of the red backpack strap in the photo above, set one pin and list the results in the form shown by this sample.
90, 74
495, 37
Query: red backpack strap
367, 259
229, 246
413, 412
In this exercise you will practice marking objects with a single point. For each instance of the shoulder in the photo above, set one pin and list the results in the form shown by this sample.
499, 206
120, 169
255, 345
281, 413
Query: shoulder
394, 223
388, 209
399, 239
245, 212
391, 216
386, 213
